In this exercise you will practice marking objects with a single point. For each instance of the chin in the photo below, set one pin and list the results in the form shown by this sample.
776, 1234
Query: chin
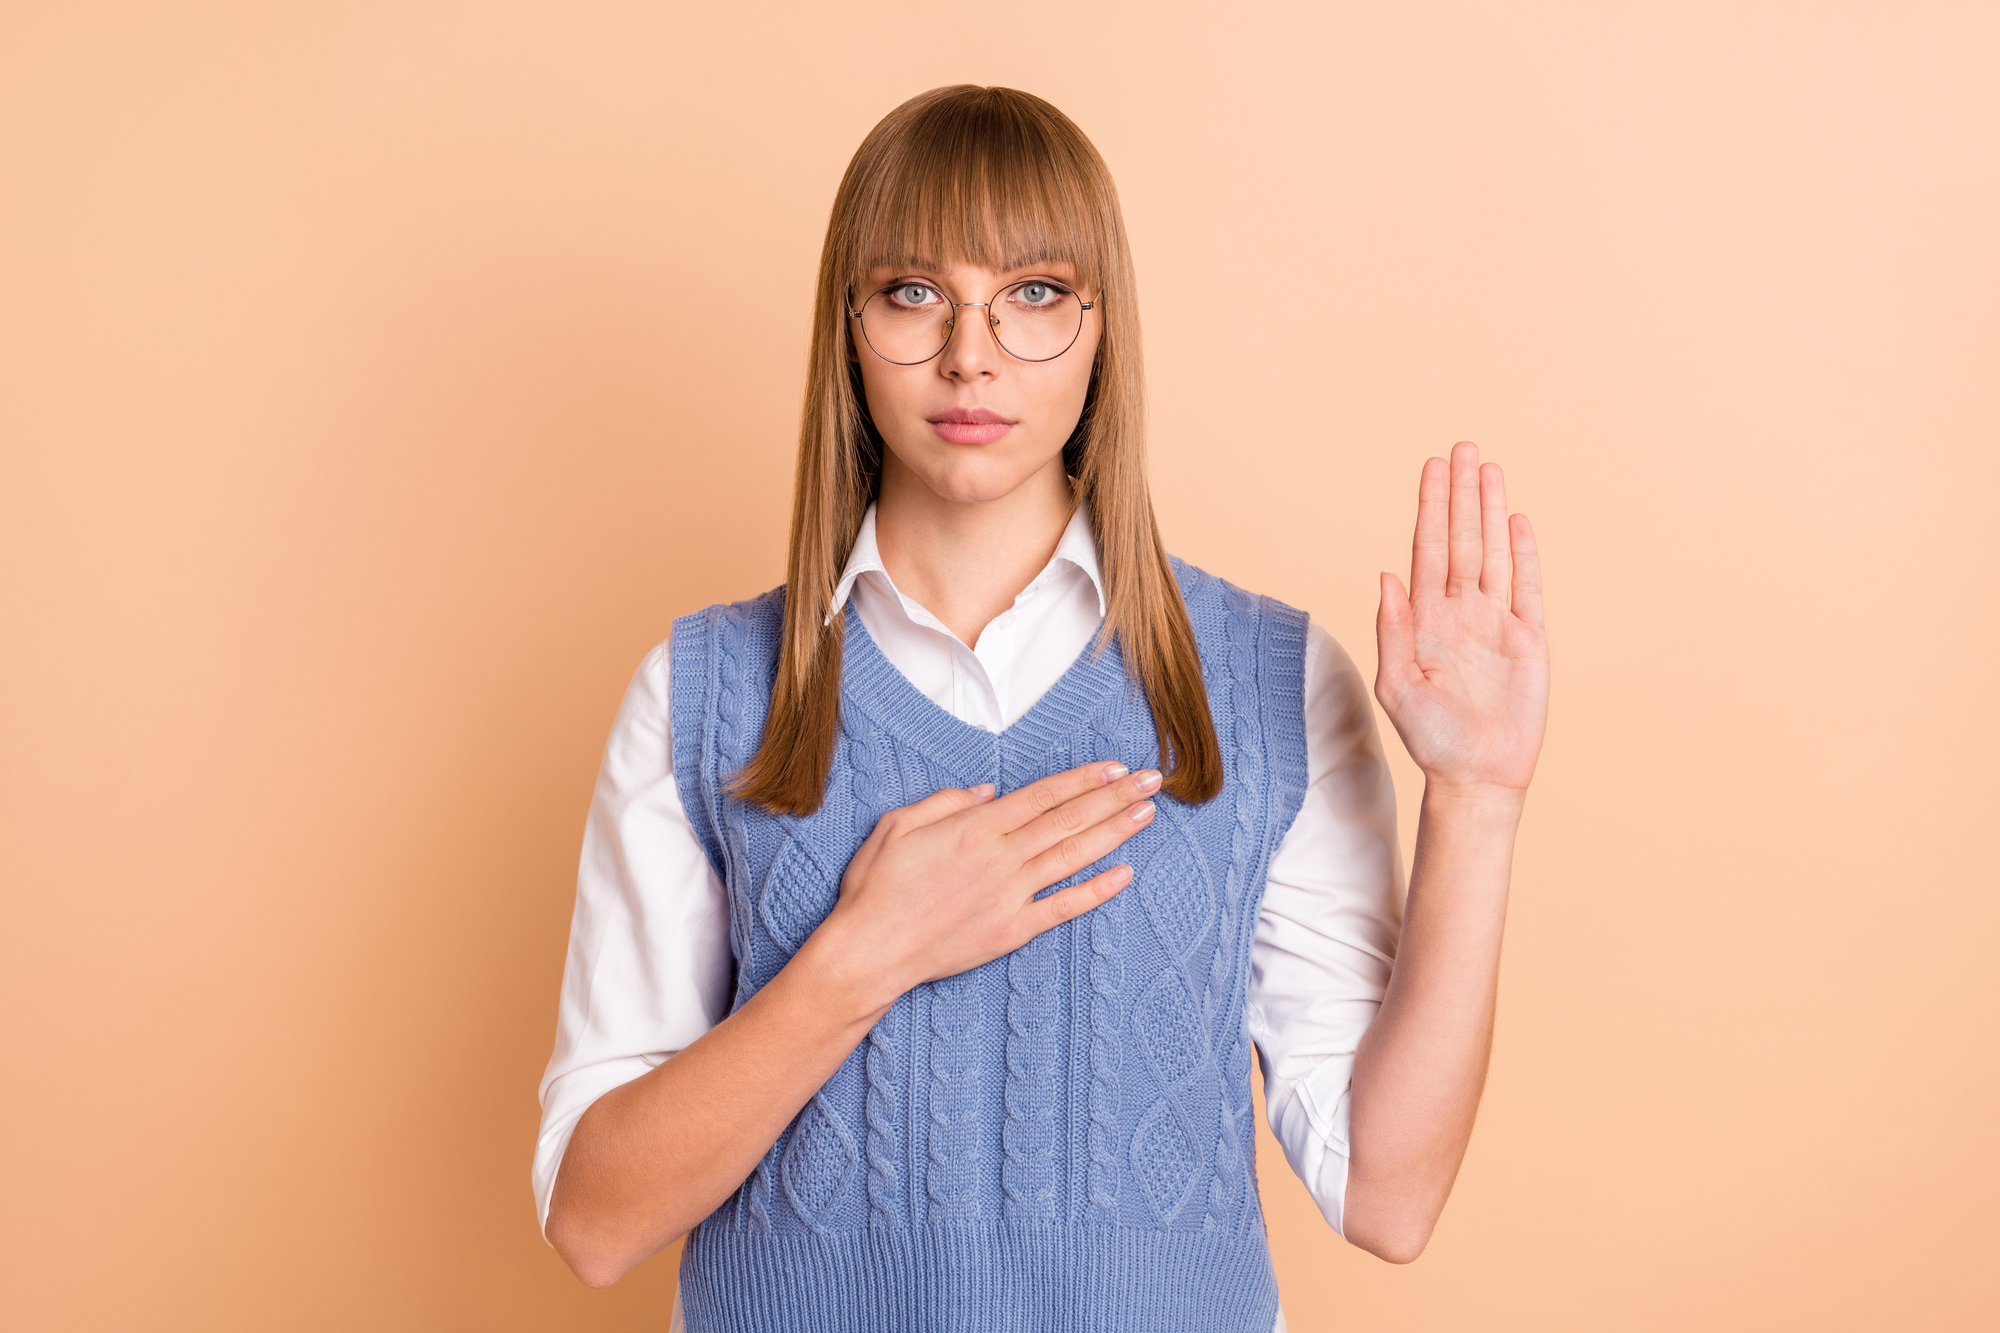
974, 478
978, 487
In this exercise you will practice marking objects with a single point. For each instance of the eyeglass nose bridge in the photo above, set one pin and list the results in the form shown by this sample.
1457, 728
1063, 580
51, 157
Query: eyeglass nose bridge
951, 325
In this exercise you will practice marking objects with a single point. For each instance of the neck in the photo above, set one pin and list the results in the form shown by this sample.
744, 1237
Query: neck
966, 562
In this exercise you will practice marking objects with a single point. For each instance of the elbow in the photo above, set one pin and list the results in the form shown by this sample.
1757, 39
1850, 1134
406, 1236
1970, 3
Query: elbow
1392, 1215
597, 1257
593, 1274
593, 1268
1392, 1239
594, 1264
597, 1278
1395, 1247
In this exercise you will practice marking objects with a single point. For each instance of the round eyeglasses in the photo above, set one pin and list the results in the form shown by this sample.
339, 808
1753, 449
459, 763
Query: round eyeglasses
907, 323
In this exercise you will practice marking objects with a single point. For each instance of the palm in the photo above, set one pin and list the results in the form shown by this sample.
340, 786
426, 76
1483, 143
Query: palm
1464, 661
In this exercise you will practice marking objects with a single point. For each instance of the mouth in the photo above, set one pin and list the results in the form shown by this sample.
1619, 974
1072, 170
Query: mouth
971, 425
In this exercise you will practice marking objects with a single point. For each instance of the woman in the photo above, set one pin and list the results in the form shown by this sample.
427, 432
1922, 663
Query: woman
931, 903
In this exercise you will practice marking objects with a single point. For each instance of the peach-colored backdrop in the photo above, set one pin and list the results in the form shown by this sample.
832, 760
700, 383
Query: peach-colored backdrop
378, 379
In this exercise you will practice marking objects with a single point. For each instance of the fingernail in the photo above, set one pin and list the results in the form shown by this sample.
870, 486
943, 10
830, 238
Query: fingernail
1113, 772
1143, 813
1121, 874
983, 791
1149, 780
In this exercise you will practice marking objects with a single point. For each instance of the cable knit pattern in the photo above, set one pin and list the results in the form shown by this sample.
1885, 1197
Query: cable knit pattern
1107, 1051
872, 785
966, 1169
1107, 976
872, 764
819, 1163
1173, 887
1241, 691
1107, 981
1030, 1137
956, 1027
885, 1196
799, 890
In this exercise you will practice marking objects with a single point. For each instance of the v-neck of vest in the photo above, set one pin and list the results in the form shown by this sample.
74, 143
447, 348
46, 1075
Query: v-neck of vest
876, 686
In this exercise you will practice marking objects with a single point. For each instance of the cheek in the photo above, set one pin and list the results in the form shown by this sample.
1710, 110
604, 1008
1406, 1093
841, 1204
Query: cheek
1062, 395
880, 388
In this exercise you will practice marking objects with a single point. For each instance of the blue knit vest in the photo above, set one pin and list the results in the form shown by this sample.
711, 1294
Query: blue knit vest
1059, 1140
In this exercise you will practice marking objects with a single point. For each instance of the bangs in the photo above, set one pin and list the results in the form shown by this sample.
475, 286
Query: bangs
996, 182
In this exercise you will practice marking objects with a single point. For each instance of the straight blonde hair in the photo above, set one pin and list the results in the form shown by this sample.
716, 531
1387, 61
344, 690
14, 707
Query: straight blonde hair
995, 178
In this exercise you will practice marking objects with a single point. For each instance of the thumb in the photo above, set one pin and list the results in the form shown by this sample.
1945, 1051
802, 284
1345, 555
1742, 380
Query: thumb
1395, 637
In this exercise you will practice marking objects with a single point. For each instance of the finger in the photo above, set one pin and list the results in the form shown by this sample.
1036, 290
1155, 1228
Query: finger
1395, 637
1496, 567
1465, 551
1038, 798
1429, 554
938, 805
1079, 849
1080, 812
1527, 571
1072, 902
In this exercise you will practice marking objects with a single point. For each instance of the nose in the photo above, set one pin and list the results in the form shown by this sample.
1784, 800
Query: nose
970, 356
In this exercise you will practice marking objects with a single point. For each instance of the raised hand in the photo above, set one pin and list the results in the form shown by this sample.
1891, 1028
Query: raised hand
1464, 677
949, 882
1464, 662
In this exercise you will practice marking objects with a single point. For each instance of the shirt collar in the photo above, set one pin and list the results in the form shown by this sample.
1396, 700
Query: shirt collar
1076, 547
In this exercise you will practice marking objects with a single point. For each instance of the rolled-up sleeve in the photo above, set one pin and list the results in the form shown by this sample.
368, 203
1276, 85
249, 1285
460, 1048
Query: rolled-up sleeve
649, 966
1328, 928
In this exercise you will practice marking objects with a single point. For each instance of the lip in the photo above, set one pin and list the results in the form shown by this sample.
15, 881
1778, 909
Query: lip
971, 425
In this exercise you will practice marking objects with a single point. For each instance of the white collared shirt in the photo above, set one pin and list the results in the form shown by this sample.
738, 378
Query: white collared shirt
649, 962
1021, 652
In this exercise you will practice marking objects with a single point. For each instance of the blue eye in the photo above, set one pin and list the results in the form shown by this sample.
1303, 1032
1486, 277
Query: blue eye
911, 293
1037, 293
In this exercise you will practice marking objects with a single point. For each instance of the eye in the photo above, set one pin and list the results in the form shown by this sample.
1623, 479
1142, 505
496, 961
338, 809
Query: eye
912, 294
1041, 296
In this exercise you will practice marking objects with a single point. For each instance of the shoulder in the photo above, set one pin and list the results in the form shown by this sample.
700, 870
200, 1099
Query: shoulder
1222, 612
749, 630
1253, 658
765, 609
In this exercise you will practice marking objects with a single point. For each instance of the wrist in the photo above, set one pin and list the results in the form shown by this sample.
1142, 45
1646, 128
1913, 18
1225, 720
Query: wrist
1480, 800
845, 977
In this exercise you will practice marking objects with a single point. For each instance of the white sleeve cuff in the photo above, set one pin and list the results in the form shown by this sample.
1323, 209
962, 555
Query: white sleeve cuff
1314, 1135
569, 1096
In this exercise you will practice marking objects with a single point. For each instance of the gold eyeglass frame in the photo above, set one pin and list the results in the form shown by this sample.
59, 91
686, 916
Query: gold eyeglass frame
951, 324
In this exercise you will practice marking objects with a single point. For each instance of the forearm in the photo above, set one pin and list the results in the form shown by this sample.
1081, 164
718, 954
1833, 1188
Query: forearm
653, 1157
1421, 1066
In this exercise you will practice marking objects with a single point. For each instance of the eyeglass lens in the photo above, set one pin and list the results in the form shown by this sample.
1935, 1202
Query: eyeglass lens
1033, 320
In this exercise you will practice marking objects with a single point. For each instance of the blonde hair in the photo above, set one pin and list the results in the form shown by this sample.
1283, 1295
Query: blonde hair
995, 178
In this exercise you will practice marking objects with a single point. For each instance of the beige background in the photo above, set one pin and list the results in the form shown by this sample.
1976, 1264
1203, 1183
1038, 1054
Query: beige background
378, 380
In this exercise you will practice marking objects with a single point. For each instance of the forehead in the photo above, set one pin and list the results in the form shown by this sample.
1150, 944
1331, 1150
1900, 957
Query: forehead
974, 243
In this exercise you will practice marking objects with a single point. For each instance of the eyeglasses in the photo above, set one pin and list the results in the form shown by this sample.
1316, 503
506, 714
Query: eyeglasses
907, 323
